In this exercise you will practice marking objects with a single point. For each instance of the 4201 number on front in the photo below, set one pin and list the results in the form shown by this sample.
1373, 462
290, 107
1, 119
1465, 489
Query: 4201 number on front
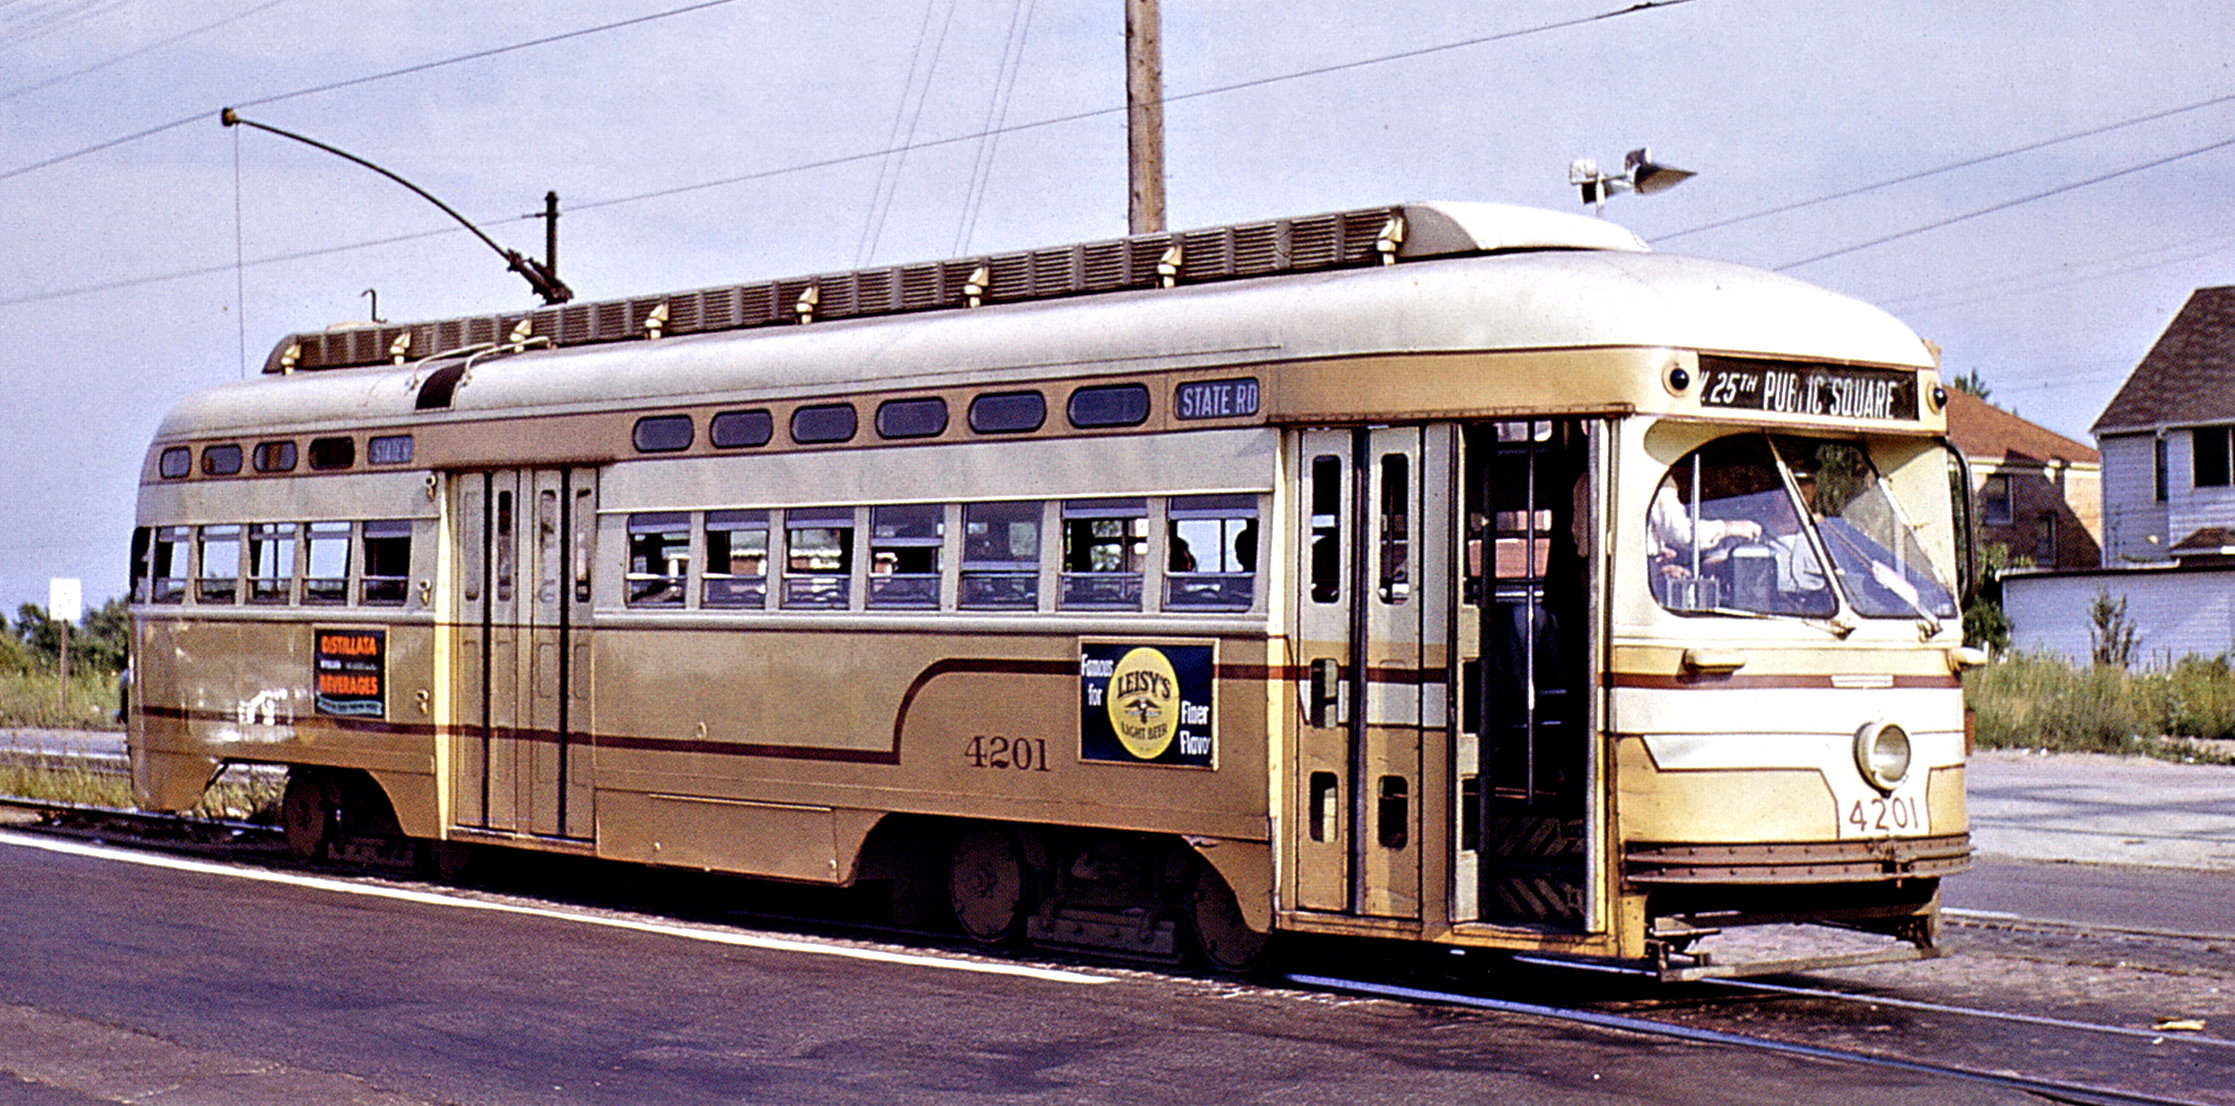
1875, 816
1018, 754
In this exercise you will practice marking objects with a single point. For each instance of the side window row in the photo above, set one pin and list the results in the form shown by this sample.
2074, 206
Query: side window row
332, 454
275, 563
932, 556
1093, 407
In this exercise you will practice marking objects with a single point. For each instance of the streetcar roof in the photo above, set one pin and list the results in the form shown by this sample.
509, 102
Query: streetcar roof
1497, 282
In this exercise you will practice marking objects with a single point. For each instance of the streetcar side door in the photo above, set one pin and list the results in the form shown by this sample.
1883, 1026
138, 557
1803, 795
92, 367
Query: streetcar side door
1372, 688
520, 687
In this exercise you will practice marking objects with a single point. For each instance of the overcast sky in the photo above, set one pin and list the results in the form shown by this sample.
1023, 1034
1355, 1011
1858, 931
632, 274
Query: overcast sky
146, 251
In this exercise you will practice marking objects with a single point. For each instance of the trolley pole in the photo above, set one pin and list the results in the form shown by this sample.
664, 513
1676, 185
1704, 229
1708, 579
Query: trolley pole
1144, 102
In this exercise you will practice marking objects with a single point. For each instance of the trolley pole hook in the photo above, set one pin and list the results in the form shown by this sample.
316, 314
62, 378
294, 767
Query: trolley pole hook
540, 277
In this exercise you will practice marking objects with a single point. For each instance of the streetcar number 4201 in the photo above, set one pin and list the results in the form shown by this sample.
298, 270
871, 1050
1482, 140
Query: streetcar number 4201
1885, 815
1022, 754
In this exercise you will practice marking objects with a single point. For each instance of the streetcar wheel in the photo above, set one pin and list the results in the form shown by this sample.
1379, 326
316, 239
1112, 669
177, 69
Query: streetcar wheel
985, 883
306, 813
1222, 935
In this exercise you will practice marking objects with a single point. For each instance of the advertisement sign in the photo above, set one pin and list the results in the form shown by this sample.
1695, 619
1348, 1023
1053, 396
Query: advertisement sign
1146, 704
352, 673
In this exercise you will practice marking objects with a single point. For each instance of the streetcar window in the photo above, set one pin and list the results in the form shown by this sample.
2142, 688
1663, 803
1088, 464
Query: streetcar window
1327, 529
1105, 547
387, 562
275, 457
220, 558
1875, 555
141, 535
659, 559
221, 460
1213, 552
1109, 405
819, 557
830, 422
329, 454
1396, 528
176, 463
1326, 806
271, 562
904, 546
326, 562
1000, 556
741, 429
736, 559
1723, 534
663, 433
388, 449
912, 418
1008, 413
167, 569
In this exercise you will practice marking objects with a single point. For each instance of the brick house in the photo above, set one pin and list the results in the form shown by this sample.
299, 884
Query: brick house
2038, 493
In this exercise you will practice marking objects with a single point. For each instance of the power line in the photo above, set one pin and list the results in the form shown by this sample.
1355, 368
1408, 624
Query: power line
803, 167
355, 81
1951, 167
1096, 113
150, 48
2006, 205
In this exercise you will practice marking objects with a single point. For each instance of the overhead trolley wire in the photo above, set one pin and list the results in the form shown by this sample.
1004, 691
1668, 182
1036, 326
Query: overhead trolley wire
2006, 205
1950, 167
368, 79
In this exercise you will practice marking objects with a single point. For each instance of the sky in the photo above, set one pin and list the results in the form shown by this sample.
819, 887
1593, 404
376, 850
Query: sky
2032, 186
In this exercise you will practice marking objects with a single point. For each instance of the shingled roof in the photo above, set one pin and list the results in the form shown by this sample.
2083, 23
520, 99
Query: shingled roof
1982, 430
2188, 378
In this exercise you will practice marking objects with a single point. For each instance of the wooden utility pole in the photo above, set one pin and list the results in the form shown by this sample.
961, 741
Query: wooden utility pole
1144, 120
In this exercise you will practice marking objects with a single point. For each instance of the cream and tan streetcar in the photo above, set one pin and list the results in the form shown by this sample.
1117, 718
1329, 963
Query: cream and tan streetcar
1459, 574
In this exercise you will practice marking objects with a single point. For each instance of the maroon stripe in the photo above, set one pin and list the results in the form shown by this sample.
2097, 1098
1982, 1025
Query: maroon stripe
1733, 681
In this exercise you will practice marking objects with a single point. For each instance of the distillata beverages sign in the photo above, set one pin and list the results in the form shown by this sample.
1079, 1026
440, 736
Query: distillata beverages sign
352, 673
1145, 704
1827, 391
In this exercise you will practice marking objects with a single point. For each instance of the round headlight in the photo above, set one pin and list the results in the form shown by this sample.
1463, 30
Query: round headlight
1882, 754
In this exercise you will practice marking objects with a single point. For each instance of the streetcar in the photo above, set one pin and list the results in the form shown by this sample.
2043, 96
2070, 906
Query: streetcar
1457, 574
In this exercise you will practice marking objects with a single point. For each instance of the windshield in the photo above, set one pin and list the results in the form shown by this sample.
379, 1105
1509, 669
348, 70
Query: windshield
1747, 524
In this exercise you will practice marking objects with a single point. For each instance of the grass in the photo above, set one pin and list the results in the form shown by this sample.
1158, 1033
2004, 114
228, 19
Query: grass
2033, 701
238, 795
30, 700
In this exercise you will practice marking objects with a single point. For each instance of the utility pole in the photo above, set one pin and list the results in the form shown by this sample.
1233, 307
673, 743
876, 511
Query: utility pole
1144, 116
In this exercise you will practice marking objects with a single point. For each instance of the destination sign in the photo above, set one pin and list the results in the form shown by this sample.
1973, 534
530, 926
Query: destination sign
1826, 391
1216, 399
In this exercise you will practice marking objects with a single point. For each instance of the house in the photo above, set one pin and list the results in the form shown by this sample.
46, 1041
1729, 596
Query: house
2168, 469
2039, 494
2168, 504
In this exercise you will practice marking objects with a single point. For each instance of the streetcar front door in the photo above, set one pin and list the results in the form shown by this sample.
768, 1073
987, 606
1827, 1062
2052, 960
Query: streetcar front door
1523, 753
525, 541
1371, 636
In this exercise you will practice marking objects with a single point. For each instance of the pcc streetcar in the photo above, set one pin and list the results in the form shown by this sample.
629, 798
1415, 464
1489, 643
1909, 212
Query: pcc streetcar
1448, 573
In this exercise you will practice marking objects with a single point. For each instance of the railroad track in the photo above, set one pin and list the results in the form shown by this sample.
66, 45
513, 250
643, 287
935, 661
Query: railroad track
2060, 1059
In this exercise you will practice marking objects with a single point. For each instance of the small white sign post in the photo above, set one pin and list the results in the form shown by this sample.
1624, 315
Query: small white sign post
65, 605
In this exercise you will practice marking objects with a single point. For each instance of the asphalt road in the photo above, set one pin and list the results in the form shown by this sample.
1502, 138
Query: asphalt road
122, 982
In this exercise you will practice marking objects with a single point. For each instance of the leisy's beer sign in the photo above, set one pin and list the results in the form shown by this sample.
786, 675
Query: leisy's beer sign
1145, 704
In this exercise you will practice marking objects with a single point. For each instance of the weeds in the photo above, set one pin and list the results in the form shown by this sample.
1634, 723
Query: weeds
29, 700
2035, 701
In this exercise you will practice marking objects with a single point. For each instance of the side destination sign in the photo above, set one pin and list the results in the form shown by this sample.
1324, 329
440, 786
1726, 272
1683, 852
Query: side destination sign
352, 673
1789, 388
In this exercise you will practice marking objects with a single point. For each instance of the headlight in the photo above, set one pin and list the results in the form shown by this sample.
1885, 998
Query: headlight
1882, 754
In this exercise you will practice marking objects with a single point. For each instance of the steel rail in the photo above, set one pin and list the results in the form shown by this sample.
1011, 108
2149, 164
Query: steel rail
2052, 1089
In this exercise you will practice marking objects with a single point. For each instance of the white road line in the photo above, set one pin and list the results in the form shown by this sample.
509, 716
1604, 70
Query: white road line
430, 898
